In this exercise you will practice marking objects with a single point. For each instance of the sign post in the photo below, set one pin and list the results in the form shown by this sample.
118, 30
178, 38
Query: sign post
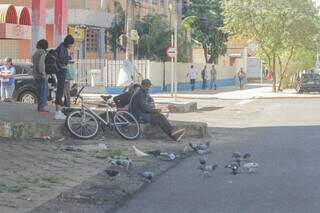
171, 53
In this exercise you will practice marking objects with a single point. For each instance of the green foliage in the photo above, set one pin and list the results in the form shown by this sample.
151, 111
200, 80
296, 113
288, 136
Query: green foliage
154, 37
280, 28
116, 30
207, 30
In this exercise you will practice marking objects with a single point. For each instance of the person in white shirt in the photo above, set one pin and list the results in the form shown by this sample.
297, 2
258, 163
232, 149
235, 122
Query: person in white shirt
7, 72
192, 74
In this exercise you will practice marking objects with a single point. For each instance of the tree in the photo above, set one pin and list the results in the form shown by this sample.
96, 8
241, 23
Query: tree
280, 28
207, 30
154, 37
116, 30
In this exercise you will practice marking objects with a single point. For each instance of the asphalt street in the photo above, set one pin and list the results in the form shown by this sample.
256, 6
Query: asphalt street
282, 136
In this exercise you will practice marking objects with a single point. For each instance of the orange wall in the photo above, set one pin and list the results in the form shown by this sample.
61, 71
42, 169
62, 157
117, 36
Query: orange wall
49, 34
25, 49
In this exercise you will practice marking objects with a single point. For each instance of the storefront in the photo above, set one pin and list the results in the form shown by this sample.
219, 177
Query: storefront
15, 31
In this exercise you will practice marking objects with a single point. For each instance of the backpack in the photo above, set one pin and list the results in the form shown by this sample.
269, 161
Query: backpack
51, 62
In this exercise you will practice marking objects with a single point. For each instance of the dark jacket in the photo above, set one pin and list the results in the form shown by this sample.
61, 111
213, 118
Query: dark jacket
139, 105
63, 56
123, 99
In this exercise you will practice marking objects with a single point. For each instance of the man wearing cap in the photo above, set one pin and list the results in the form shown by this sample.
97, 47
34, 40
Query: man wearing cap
139, 106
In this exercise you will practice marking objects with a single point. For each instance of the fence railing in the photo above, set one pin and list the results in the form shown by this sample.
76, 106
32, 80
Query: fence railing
105, 72
96, 72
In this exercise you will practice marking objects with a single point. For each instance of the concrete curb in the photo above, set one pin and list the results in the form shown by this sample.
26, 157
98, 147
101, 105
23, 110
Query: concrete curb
38, 130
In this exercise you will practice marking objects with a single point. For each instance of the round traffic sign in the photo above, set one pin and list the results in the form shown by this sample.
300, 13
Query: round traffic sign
171, 52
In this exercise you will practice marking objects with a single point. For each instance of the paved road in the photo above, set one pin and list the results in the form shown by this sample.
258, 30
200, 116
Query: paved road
283, 137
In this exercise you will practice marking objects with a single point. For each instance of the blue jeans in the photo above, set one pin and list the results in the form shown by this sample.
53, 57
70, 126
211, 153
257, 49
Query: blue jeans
213, 82
204, 83
7, 91
42, 87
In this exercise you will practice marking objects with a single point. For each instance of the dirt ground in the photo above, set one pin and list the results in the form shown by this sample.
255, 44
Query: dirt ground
34, 172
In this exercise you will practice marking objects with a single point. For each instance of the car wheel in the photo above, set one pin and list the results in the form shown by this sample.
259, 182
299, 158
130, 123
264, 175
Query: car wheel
28, 97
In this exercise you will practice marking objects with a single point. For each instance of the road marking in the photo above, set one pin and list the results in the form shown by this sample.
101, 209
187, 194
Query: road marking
244, 102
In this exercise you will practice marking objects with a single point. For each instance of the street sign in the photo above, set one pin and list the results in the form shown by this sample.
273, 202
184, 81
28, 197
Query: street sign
172, 52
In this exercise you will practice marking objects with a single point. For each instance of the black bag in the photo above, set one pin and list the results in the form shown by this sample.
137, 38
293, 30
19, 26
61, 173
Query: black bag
51, 62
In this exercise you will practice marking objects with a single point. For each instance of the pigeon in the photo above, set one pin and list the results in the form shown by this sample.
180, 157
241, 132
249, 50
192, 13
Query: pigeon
251, 167
127, 163
197, 147
246, 156
168, 156
236, 155
147, 175
209, 168
111, 173
202, 152
204, 146
140, 153
155, 153
202, 161
234, 167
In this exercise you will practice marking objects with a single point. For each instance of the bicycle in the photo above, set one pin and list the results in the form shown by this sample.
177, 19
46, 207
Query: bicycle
85, 123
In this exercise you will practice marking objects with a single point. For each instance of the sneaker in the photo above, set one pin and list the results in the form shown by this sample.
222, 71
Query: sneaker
59, 116
178, 134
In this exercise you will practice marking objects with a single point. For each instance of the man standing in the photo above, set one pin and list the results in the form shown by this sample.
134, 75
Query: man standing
143, 111
241, 76
204, 77
213, 75
39, 74
63, 60
192, 74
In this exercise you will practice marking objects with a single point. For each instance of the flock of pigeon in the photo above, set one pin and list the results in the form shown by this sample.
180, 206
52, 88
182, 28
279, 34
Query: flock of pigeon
239, 164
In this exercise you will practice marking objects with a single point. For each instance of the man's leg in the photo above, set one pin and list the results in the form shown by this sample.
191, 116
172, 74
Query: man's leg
9, 91
67, 96
43, 94
160, 120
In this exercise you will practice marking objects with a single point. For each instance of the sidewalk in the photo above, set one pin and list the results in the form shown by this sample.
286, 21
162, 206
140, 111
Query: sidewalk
252, 91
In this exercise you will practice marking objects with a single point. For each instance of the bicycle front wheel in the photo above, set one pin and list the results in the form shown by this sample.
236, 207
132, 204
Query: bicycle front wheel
126, 125
82, 124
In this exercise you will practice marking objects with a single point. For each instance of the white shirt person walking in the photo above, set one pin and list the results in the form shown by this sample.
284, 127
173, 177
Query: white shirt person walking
192, 74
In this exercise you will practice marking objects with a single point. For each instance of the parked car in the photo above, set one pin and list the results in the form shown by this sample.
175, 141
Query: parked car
25, 90
308, 82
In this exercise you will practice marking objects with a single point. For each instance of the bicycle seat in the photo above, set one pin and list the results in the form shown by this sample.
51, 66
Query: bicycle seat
106, 97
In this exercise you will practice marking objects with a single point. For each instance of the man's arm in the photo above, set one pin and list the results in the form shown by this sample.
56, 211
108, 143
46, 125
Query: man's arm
142, 104
42, 66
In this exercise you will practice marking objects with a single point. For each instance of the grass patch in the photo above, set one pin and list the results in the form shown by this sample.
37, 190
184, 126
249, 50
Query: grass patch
108, 153
13, 188
42, 181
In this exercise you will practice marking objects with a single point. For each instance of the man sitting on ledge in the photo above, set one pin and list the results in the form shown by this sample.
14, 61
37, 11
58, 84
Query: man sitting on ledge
141, 108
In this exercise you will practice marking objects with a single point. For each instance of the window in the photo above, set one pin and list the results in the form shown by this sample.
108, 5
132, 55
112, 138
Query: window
92, 40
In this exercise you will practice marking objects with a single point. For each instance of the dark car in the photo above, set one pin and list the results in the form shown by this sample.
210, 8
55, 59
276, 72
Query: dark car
308, 82
25, 90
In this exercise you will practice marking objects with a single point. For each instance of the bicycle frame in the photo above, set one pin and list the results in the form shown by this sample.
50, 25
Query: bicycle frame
108, 109
106, 122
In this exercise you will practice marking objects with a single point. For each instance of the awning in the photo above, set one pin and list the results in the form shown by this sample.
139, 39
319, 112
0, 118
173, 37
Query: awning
15, 22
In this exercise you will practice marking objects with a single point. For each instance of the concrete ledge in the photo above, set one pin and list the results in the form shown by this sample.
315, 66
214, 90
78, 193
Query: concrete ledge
183, 107
193, 129
34, 130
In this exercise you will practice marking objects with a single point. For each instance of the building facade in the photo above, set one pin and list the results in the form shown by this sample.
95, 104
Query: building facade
88, 21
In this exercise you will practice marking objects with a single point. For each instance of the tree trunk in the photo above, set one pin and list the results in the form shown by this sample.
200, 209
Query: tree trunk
274, 88
283, 70
205, 50
281, 73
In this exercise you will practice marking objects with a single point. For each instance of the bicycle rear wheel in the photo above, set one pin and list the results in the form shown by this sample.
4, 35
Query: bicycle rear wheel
126, 125
82, 124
